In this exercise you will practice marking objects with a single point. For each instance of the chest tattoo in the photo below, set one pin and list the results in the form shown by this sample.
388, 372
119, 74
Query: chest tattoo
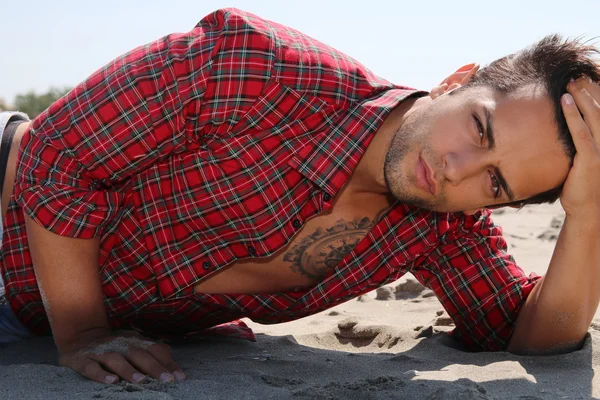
321, 251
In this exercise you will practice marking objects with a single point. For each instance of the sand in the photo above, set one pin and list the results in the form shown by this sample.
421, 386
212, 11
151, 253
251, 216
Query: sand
389, 344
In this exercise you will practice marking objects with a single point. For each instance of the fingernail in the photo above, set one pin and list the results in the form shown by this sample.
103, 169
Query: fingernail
179, 375
110, 379
137, 377
567, 99
166, 377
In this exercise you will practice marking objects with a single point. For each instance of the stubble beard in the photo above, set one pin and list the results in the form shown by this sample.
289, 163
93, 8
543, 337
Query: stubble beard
402, 187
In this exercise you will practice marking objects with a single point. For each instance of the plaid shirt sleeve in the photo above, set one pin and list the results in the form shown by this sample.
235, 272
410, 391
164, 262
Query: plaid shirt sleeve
157, 100
478, 283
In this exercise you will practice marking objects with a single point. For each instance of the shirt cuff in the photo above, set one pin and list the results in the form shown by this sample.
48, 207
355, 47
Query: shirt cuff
69, 211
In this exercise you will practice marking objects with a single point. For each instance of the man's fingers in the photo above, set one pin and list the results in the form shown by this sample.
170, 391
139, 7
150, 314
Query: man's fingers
107, 358
582, 91
146, 362
92, 370
116, 363
592, 87
162, 353
580, 132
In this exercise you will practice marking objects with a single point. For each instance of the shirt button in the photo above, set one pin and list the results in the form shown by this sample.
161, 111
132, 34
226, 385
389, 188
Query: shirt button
251, 250
296, 223
326, 197
206, 264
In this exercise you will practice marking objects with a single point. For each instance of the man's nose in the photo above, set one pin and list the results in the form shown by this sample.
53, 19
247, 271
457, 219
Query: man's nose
460, 165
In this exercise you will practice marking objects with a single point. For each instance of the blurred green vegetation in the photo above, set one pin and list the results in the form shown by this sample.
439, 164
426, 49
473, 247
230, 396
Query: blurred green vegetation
33, 104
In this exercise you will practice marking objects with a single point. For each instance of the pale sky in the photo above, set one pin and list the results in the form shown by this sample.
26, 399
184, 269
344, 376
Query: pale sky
415, 43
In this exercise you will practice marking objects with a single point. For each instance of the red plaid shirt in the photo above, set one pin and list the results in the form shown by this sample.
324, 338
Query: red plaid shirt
216, 145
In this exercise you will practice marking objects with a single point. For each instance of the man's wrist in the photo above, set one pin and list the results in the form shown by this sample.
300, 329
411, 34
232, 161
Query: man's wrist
74, 339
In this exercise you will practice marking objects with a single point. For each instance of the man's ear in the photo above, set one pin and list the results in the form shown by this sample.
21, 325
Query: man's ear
461, 77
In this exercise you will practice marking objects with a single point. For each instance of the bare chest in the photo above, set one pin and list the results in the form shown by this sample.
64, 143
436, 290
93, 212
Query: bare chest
315, 250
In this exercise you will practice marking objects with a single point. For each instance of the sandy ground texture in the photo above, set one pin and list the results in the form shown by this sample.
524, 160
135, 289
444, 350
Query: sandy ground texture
389, 344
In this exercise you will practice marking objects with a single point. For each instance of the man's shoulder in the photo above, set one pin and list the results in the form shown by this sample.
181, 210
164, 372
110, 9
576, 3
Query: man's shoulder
233, 21
297, 60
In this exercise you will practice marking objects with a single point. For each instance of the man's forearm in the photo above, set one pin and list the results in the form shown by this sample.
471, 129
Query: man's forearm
560, 308
67, 275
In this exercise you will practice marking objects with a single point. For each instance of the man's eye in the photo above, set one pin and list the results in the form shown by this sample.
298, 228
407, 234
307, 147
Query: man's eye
495, 185
479, 126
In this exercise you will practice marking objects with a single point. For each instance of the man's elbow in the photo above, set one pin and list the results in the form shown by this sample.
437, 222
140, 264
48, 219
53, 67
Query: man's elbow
547, 344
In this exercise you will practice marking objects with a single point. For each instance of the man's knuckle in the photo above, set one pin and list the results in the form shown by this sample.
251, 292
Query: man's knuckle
112, 358
87, 369
572, 115
583, 134
161, 347
171, 365
107, 355
133, 351
75, 363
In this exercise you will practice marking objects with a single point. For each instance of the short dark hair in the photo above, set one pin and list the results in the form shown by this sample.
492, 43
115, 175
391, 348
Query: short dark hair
551, 63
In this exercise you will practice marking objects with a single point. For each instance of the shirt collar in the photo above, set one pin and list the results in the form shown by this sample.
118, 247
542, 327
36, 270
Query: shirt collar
329, 158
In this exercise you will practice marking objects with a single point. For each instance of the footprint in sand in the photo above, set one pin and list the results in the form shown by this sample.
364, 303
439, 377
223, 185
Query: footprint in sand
439, 324
443, 320
363, 299
459, 391
277, 381
385, 293
335, 313
350, 330
370, 388
409, 290
425, 332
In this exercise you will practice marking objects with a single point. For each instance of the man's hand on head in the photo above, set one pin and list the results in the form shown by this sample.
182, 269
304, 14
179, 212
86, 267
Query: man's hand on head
581, 106
557, 313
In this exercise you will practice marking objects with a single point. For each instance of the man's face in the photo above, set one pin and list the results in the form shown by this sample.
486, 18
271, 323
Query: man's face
442, 158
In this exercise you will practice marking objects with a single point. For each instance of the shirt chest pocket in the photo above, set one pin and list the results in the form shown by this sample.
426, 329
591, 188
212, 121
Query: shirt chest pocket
281, 110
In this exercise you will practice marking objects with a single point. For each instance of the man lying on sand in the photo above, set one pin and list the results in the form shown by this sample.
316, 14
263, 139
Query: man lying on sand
244, 169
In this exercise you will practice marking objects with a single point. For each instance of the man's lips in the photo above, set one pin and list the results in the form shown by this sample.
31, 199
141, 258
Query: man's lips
424, 176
